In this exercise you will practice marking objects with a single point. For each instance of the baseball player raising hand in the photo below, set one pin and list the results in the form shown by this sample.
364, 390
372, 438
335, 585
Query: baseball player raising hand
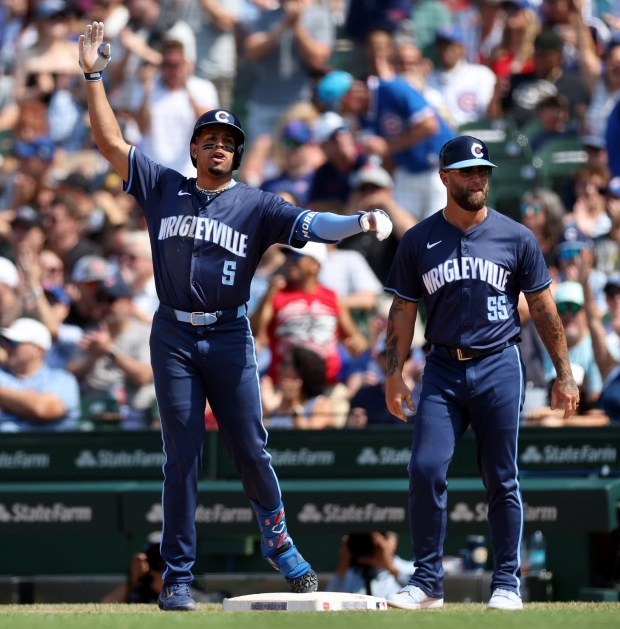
207, 236
469, 264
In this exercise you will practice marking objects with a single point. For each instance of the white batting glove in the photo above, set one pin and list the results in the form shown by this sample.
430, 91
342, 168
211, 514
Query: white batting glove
94, 54
378, 221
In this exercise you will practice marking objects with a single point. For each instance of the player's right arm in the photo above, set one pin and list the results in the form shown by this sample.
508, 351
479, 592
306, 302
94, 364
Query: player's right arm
401, 322
94, 55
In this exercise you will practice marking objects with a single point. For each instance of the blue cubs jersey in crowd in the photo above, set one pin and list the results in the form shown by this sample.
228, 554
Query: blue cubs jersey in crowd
470, 281
206, 252
396, 106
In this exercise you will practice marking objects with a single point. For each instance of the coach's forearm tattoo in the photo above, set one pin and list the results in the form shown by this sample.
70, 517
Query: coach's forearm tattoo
551, 332
391, 341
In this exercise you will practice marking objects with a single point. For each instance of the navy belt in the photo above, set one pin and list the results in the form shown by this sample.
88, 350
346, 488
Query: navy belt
469, 353
203, 318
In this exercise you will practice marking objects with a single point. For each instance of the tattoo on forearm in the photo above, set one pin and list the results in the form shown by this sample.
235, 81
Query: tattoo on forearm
551, 331
391, 341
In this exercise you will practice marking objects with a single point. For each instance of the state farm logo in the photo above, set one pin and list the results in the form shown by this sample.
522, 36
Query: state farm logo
464, 512
20, 460
370, 512
303, 456
384, 456
111, 459
585, 453
214, 514
20, 512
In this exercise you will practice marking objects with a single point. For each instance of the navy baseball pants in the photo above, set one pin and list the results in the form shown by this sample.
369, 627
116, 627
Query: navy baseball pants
487, 393
192, 364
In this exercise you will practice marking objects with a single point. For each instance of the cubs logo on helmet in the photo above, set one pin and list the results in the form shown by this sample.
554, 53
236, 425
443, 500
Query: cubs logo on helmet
221, 116
463, 152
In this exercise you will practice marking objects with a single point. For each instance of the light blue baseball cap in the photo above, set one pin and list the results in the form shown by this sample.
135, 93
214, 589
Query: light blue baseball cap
332, 87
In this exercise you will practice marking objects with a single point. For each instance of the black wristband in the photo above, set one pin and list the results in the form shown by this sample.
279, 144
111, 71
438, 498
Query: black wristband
93, 76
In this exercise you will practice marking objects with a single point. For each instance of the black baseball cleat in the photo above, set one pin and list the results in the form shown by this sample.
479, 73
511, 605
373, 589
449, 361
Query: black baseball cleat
305, 584
176, 597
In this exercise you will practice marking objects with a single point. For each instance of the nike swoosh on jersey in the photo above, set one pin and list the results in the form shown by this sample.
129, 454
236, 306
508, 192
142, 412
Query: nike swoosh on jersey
430, 246
181, 193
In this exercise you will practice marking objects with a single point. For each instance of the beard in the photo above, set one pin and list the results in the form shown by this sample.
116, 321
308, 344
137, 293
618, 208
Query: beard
220, 170
471, 201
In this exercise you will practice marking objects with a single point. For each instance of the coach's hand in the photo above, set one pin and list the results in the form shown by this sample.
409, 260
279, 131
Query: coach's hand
377, 221
94, 54
397, 393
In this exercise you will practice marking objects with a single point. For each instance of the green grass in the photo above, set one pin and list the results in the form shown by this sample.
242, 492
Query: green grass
452, 616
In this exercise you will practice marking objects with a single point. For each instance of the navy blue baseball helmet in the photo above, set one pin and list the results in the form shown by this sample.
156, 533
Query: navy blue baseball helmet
463, 152
221, 116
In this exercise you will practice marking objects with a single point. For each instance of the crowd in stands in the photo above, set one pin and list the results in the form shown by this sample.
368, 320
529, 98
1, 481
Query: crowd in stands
345, 105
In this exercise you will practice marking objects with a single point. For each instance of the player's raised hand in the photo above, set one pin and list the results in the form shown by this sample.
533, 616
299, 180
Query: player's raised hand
93, 52
377, 221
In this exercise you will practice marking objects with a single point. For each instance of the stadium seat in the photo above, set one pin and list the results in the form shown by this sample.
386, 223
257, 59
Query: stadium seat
558, 160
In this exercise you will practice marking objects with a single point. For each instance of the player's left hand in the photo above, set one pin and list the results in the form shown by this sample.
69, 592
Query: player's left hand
377, 221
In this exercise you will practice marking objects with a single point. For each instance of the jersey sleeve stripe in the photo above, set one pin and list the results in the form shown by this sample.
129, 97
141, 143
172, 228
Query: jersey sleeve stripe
387, 289
132, 151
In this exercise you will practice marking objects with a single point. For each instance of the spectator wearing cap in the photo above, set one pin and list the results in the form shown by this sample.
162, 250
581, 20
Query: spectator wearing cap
267, 157
608, 247
373, 187
26, 233
595, 148
298, 310
518, 99
515, 52
399, 125
84, 280
569, 299
572, 245
34, 396
467, 88
554, 123
331, 185
23, 178
66, 231
170, 101
285, 47
296, 159
10, 304
605, 94
112, 361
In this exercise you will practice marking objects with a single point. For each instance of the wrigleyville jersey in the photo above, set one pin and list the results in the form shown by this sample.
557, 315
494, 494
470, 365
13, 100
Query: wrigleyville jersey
470, 281
206, 247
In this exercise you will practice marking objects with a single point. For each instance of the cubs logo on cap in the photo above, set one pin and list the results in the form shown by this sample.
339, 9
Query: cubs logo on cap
222, 116
463, 152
